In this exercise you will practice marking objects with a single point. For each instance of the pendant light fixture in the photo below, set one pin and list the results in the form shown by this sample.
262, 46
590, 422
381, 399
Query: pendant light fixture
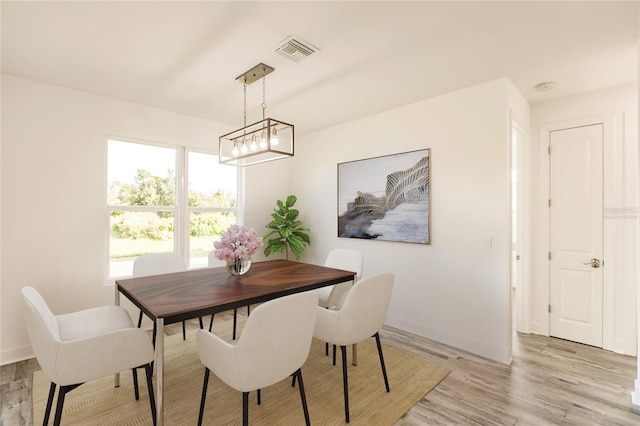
259, 142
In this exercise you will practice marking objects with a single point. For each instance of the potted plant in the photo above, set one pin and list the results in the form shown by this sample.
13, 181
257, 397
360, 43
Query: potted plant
287, 232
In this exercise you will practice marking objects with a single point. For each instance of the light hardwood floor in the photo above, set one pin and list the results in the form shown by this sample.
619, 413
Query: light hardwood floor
550, 382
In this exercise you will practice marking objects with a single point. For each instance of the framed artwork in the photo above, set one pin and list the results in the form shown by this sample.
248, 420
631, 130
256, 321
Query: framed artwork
385, 198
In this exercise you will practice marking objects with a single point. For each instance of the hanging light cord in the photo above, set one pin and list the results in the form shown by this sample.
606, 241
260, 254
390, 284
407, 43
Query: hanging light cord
244, 83
264, 97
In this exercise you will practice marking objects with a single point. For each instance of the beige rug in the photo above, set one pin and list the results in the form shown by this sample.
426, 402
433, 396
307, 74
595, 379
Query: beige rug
99, 403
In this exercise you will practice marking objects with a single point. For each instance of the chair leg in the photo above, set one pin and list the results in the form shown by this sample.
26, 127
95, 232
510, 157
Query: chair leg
184, 330
58, 416
259, 397
134, 371
211, 323
326, 350
47, 412
153, 341
148, 369
334, 354
384, 370
61, 394
235, 320
245, 408
200, 319
303, 397
345, 382
204, 395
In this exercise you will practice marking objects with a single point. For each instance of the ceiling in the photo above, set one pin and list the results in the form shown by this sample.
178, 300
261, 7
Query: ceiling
373, 56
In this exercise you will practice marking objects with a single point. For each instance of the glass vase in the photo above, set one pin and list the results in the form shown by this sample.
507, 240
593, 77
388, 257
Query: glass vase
240, 266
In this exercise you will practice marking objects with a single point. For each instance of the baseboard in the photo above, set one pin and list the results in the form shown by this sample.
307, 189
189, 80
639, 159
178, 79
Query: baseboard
16, 354
502, 355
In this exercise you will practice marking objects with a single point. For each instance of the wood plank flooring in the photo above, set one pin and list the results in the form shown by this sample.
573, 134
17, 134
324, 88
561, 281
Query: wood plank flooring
550, 382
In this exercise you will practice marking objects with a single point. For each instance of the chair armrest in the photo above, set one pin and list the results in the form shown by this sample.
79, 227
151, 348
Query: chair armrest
91, 358
93, 322
337, 292
220, 357
329, 327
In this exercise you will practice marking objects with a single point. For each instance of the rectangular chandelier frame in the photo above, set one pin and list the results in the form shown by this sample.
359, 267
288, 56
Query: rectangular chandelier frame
262, 141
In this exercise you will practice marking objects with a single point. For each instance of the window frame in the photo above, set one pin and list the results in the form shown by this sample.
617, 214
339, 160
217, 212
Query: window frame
181, 210
186, 210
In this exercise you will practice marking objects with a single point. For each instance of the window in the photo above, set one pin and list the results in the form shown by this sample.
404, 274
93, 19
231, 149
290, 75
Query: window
163, 199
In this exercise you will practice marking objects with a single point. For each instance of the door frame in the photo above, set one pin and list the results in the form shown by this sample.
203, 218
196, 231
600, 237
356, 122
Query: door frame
524, 292
542, 323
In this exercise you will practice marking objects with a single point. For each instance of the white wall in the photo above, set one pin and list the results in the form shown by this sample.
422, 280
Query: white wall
453, 290
265, 184
617, 108
53, 192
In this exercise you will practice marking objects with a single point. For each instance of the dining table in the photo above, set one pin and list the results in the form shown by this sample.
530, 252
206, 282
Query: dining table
180, 296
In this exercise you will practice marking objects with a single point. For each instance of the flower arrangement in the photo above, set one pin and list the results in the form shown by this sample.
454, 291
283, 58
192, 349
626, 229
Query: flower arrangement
238, 242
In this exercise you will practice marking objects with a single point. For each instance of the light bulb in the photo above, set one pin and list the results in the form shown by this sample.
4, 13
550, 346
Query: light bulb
243, 148
274, 137
253, 146
263, 140
235, 151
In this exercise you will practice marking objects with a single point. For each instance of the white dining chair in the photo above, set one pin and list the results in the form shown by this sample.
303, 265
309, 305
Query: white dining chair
78, 347
158, 264
347, 260
360, 317
212, 263
328, 297
273, 345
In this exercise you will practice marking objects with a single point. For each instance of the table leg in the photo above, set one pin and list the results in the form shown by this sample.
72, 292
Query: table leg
159, 371
354, 358
116, 377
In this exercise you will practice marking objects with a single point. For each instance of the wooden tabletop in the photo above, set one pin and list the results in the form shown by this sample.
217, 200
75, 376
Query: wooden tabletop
197, 292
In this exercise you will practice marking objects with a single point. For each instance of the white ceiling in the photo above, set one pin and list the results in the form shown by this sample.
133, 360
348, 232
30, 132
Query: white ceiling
374, 56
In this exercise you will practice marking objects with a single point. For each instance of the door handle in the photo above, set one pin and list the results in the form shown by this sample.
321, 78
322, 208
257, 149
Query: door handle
595, 263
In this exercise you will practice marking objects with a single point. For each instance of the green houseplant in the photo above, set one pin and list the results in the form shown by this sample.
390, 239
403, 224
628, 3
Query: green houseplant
287, 232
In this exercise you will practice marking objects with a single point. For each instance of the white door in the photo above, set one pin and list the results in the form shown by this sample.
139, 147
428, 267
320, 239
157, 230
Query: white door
576, 225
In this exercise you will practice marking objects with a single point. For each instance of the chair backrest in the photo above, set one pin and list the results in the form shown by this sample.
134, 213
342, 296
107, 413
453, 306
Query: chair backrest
42, 328
346, 259
158, 264
365, 306
275, 340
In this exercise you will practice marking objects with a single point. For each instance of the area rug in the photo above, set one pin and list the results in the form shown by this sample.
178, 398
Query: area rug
99, 403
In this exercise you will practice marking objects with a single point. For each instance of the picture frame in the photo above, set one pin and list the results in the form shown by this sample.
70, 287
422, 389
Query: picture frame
386, 198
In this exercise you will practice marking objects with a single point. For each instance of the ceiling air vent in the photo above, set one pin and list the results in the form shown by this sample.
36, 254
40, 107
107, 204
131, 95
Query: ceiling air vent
295, 49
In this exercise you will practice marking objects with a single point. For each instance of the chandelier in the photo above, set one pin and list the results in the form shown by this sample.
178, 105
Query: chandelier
265, 140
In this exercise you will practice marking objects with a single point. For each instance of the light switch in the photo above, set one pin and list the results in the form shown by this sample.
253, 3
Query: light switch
486, 243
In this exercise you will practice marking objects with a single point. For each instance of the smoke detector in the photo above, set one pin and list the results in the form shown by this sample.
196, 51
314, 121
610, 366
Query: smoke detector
543, 87
295, 49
